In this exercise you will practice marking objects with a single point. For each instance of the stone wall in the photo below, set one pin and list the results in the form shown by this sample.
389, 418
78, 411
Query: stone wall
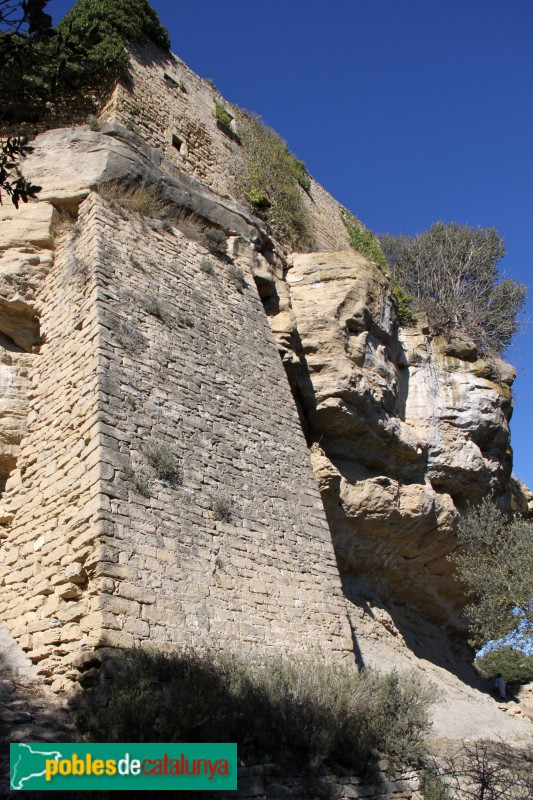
173, 109
149, 354
52, 497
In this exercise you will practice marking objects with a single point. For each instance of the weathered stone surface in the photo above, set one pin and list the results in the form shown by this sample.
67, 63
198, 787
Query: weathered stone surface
69, 162
30, 224
405, 434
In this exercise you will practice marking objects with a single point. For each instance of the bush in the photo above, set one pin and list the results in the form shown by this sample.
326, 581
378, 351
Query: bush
222, 507
222, 115
363, 241
515, 665
481, 770
207, 266
139, 481
451, 271
140, 198
238, 278
164, 463
300, 715
270, 182
216, 242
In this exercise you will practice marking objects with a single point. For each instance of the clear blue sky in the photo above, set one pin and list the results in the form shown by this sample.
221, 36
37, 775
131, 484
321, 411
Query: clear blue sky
407, 112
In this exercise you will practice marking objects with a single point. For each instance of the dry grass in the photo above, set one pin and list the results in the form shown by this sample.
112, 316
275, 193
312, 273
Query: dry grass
143, 199
138, 197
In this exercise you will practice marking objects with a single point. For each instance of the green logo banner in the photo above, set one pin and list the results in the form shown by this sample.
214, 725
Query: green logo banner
74, 767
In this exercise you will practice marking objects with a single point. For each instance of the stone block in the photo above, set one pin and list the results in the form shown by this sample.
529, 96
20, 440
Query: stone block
30, 224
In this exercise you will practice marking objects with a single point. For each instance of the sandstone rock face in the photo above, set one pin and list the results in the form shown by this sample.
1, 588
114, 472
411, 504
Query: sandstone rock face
26, 256
403, 434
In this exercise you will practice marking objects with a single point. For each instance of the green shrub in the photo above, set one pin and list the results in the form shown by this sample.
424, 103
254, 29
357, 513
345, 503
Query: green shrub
153, 307
164, 463
238, 278
270, 180
515, 665
186, 319
222, 508
432, 786
81, 61
363, 241
222, 115
298, 715
139, 480
207, 266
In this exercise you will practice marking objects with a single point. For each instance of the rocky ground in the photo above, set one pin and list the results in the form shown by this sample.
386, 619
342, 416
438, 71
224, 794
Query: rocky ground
29, 711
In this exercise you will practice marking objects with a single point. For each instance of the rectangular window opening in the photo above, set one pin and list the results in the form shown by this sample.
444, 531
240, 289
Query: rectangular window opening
177, 142
170, 81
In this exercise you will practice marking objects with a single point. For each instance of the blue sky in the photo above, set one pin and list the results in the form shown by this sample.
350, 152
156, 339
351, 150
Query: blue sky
407, 112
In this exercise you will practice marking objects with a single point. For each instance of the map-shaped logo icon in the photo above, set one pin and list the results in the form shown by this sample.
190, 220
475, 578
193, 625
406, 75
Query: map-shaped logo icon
28, 762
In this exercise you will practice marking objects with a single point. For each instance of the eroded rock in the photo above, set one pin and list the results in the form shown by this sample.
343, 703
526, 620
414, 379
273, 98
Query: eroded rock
406, 432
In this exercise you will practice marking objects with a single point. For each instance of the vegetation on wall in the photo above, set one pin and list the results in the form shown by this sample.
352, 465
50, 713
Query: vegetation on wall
496, 562
363, 241
76, 62
452, 272
222, 115
297, 715
271, 181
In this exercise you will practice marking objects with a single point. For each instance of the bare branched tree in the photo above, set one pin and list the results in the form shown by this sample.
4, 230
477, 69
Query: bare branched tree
482, 770
451, 271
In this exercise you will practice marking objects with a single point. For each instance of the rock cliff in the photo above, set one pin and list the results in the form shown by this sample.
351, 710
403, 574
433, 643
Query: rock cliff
120, 333
405, 430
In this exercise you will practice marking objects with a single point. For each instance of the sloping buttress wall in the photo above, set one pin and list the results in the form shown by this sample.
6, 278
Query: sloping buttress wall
149, 355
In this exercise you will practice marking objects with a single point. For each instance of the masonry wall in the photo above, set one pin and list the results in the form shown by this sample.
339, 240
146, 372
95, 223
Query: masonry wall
172, 108
191, 368
148, 351
52, 496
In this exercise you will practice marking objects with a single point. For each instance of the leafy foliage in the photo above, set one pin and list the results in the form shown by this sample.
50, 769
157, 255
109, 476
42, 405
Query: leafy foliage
222, 115
222, 509
270, 182
363, 241
28, 16
77, 61
496, 562
515, 665
451, 271
163, 462
15, 186
300, 715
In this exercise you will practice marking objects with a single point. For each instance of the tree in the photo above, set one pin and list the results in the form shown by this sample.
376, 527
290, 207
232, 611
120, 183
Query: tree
515, 665
11, 183
495, 560
71, 67
481, 770
75, 63
21, 22
451, 271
